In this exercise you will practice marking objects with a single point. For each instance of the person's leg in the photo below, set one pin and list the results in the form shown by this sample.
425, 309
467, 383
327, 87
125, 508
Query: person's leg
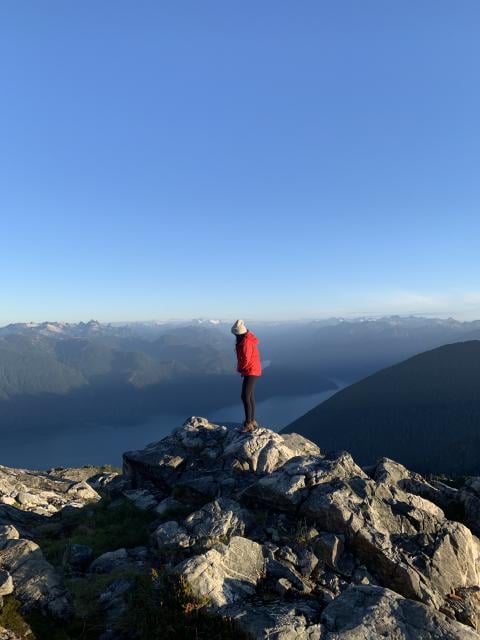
252, 398
249, 397
245, 399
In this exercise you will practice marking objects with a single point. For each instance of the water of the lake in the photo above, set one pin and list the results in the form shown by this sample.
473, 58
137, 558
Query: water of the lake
99, 445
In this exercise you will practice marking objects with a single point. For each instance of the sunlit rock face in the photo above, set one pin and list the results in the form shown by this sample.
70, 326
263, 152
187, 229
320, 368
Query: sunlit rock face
330, 534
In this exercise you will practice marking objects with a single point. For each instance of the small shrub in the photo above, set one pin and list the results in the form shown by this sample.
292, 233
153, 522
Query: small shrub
302, 533
163, 608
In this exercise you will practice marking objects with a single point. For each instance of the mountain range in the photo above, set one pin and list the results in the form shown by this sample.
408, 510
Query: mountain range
57, 374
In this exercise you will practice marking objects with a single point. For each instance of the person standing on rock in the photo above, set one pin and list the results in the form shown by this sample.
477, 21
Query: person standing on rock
250, 368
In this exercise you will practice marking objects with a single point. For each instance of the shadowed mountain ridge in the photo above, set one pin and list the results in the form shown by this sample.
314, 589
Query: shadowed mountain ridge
424, 412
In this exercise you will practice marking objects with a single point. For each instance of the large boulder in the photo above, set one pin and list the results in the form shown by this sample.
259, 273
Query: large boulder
205, 457
291, 484
109, 561
225, 574
134, 558
36, 583
217, 521
368, 612
171, 534
393, 473
279, 620
263, 451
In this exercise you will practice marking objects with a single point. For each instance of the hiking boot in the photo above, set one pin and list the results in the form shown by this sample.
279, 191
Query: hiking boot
247, 427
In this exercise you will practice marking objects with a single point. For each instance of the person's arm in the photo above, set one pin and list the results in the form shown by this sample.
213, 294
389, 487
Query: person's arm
245, 355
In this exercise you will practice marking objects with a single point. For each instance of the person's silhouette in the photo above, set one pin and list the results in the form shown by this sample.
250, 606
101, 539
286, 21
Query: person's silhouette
250, 368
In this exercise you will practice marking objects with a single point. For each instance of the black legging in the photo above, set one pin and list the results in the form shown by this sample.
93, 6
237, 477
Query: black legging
248, 399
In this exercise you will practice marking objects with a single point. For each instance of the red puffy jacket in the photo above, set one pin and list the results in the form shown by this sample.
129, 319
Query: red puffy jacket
248, 356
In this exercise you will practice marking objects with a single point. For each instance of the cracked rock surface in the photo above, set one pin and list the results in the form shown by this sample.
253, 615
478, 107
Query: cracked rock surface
294, 543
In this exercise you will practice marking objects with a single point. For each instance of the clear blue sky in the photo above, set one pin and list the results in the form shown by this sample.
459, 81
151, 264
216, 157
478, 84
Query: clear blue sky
266, 159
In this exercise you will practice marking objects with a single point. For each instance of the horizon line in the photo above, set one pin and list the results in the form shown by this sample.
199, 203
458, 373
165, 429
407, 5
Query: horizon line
350, 316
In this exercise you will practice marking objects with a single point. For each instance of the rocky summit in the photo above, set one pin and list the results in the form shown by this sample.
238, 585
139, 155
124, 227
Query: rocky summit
262, 533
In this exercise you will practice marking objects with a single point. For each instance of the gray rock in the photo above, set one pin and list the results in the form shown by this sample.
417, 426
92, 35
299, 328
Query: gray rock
172, 534
113, 602
368, 612
168, 505
403, 539
395, 474
139, 554
216, 521
261, 451
22, 520
5, 634
291, 484
38, 492
361, 575
279, 620
299, 445
92, 475
27, 499
329, 548
141, 498
200, 446
115, 592
225, 574
84, 492
307, 562
281, 571
300, 559
6, 583
36, 583
77, 557
8, 532
111, 484
109, 561
389, 527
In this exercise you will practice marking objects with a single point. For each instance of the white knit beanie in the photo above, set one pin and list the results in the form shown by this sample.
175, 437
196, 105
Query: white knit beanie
239, 328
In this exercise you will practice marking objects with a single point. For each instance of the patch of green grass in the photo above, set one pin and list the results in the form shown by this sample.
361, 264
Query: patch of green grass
12, 619
89, 620
164, 608
100, 526
32, 625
